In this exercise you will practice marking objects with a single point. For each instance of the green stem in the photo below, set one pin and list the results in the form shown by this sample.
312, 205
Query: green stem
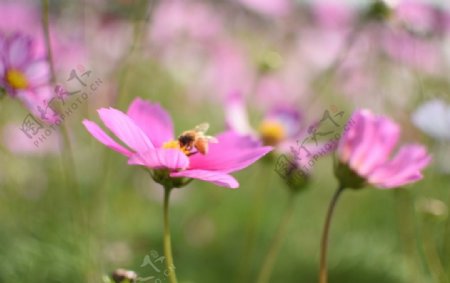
167, 241
323, 272
276, 244
446, 248
323, 81
48, 45
67, 148
260, 197
138, 37
407, 234
432, 257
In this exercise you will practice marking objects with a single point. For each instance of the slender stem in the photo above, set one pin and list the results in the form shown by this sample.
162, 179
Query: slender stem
46, 29
323, 81
138, 37
67, 150
254, 224
446, 247
407, 234
323, 272
276, 244
432, 257
167, 242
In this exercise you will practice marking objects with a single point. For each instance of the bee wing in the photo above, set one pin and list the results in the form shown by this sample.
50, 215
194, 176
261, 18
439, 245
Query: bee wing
211, 139
203, 127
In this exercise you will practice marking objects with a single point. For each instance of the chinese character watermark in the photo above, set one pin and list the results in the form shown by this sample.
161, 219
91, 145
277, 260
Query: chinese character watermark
84, 86
296, 166
155, 262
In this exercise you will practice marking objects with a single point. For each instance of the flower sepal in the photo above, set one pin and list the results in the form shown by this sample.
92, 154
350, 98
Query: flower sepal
377, 11
2, 92
347, 177
297, 180
162, 176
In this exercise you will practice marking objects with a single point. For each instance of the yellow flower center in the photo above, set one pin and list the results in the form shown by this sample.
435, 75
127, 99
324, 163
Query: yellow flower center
176, 145
272, 132
16, 79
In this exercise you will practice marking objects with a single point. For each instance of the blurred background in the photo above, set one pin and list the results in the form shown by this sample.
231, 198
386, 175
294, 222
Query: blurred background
73, 211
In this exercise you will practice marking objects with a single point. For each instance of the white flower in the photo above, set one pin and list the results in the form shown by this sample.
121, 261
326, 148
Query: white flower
433, 118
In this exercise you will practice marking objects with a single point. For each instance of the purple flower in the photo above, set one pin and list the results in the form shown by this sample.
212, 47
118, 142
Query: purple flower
24, 76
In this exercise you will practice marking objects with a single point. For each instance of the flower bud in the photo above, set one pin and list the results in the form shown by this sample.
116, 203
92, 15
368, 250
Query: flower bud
378, 11
124, 276
292, 174
432, 208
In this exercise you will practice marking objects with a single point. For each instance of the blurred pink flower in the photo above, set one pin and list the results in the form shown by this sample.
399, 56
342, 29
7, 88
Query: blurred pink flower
422, 17
176, 19
147, 132
333, 14
67, 38
412, 51
17, 142
18, 16
281, 125
25, 77
229, 67
270, 8
365, 148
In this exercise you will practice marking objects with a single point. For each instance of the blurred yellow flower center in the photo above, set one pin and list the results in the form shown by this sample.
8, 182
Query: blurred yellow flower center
176, 145
16, 79
272, 132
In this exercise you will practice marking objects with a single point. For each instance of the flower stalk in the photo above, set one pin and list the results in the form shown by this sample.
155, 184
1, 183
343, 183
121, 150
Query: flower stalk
167, 239
66, 143
277, 241
323, 272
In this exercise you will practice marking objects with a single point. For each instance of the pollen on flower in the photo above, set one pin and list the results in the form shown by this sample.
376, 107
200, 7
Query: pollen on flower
272, 132
16, 79
176, 145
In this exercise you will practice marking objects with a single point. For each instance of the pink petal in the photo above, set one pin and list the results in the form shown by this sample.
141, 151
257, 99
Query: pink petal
381, 145
217, 178
19, 51
236, 114
153, 120
404, 168
2, 70
38, 73
125, 129
102, 137
405, 180
352, 136
2, 47
37, 101
233, 152
364, 144
159, 158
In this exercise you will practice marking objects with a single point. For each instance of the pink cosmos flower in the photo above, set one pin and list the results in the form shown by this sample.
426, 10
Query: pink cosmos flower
283, 127
147, 132
365, 148
280, 126
25, 77
68, 47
